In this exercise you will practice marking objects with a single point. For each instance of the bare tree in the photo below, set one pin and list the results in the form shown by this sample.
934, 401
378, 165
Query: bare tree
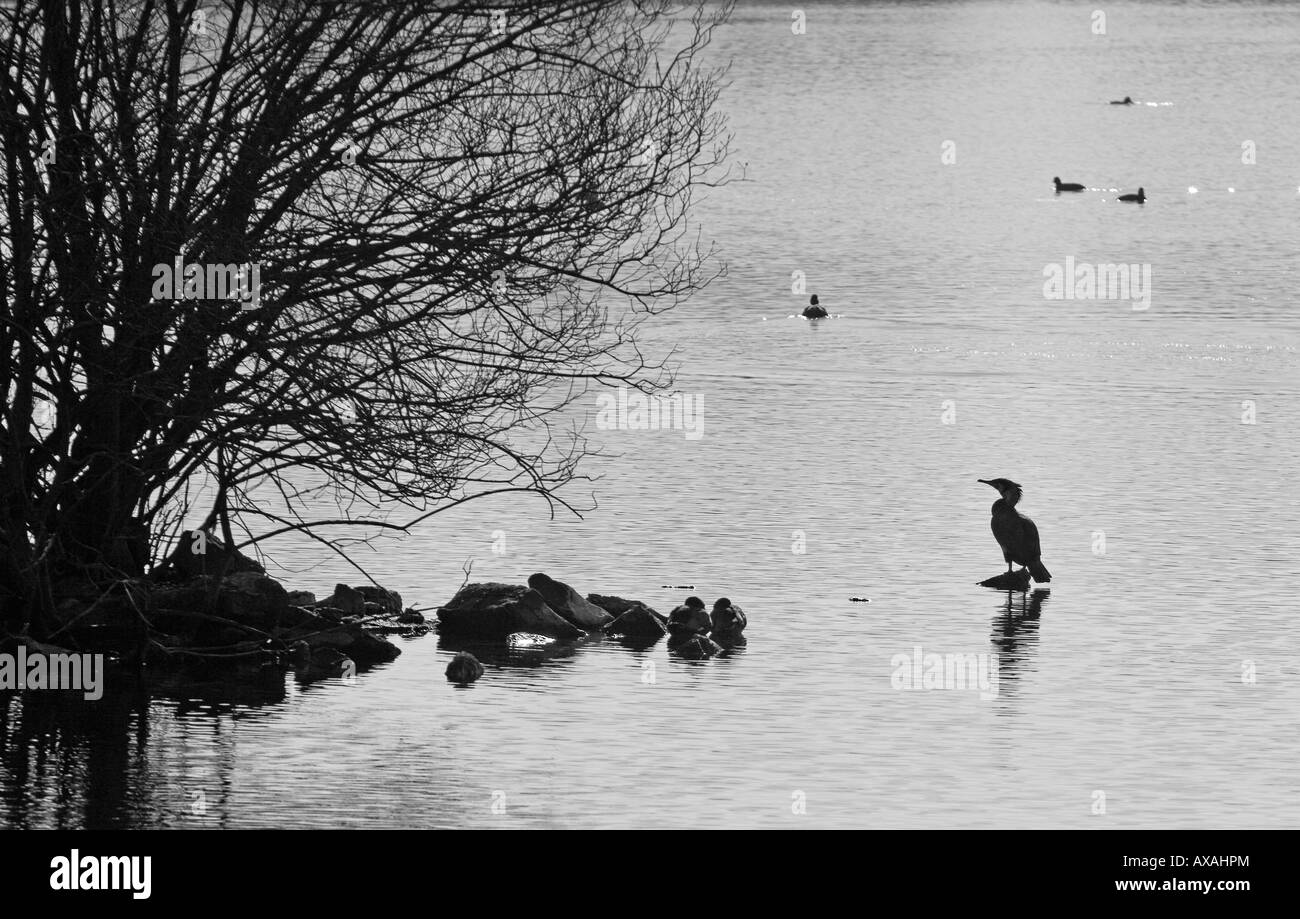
456, 219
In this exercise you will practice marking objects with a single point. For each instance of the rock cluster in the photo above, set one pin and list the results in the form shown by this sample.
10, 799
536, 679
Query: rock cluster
211, 605
551, 608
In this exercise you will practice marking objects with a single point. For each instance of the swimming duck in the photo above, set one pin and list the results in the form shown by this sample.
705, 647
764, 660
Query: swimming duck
1127, 100
813, 310
691, 618
1066, 186
1140, 197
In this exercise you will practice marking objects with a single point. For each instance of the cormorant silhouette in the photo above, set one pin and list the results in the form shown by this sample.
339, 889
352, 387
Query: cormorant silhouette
1140, 197
1127, 100
1066, 186
1016, 533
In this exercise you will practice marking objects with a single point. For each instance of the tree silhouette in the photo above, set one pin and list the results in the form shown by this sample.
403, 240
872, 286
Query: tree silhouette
457, 219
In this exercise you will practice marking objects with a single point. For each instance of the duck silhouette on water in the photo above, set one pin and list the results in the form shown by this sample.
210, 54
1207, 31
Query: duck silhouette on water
1139, 198
728, 622
814, 310
1127, 100
691, 618
1065, 186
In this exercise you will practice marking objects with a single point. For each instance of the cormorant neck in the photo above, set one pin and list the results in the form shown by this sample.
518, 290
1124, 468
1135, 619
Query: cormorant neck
1011, 497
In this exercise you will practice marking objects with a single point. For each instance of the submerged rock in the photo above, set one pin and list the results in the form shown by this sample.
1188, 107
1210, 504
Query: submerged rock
321, 663
464, 668
362, 646
570, 604
1011, 580
695, 647
493, 611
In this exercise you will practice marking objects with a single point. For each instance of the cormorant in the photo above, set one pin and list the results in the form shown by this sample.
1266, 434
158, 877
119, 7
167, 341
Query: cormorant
1066, 186
1140, 197
1016, 533
1128, 100
813, 310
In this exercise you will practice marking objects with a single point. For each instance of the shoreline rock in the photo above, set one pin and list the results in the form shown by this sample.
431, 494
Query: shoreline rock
200, 554
245, 616
640, 622
493, 611
570, 604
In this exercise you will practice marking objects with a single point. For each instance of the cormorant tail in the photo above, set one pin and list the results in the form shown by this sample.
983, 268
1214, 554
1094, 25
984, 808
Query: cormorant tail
1039, 571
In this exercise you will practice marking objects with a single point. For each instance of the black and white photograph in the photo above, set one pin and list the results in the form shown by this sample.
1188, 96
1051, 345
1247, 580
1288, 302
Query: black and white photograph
649, 415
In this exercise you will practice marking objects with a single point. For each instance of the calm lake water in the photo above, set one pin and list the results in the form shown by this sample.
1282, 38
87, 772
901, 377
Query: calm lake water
901, 157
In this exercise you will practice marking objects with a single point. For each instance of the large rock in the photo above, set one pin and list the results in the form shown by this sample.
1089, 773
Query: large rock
191, 596
615, 606
252, 599
300, 618
569, 603
349, 638
302, 598
205, 554
640, 621
390, 600
346, 600
487, 593
493, 611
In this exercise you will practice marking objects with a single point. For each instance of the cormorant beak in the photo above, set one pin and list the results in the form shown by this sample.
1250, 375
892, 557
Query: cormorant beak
985, 481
